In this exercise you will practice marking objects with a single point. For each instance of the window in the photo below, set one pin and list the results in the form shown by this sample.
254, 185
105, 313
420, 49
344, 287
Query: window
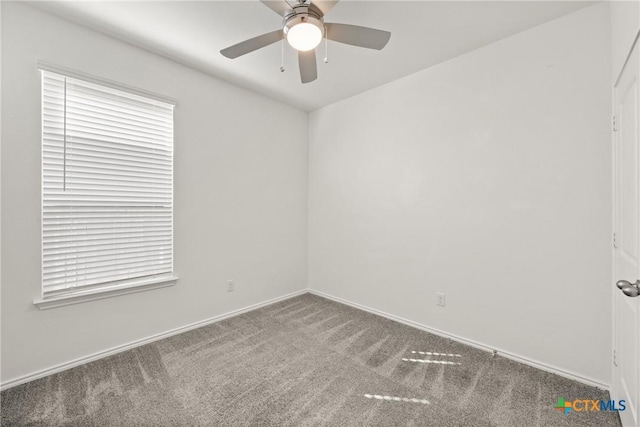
107, 188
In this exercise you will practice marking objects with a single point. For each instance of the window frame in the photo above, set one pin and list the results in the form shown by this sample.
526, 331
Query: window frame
83, 293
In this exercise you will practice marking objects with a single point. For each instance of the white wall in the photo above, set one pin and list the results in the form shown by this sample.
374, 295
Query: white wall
488, 178
240, 196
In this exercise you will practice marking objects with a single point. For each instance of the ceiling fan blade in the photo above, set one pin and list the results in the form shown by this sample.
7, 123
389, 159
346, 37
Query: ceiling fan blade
250, 45
358, 36
308, 68
281, 7
324, 5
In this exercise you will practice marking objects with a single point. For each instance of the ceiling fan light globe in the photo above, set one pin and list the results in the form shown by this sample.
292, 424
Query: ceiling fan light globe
304, 36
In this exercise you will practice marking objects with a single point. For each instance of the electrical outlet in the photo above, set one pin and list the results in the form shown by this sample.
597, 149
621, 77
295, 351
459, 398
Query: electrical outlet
231, 285
440, 299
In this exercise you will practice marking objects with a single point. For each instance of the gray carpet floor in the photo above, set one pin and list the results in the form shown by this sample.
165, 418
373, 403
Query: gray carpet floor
306, 361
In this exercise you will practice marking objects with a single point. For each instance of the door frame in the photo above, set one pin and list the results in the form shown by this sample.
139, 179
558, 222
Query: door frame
614, 290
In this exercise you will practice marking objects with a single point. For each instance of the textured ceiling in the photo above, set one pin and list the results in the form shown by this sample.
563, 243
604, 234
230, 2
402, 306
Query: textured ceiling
424, 33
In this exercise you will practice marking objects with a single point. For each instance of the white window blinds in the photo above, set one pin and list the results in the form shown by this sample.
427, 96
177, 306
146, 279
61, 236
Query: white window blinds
107, 186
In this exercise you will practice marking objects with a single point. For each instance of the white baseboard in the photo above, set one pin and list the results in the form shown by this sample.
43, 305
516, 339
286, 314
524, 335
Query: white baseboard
518, 358
118, 349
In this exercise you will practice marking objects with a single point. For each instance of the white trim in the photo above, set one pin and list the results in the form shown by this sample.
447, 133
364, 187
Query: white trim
614, 225
68, 72
108, 291
133, 344
118, 349
525, 360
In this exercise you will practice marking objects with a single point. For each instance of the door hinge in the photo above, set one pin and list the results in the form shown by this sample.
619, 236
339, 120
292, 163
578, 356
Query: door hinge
615, 362
615, 242
614, 126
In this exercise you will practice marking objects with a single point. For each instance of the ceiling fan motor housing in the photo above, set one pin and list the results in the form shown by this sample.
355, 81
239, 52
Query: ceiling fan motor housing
303, 13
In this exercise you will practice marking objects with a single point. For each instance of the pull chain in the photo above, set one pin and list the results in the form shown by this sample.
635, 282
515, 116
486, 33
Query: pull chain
326, 46
282, 56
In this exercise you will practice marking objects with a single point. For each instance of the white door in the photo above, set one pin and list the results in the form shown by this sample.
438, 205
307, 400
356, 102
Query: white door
626, 363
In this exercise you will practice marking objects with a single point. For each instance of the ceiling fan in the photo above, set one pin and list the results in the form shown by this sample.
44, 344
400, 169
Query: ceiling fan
304, 27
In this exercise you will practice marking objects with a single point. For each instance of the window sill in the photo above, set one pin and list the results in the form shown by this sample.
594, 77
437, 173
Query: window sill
105, 292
